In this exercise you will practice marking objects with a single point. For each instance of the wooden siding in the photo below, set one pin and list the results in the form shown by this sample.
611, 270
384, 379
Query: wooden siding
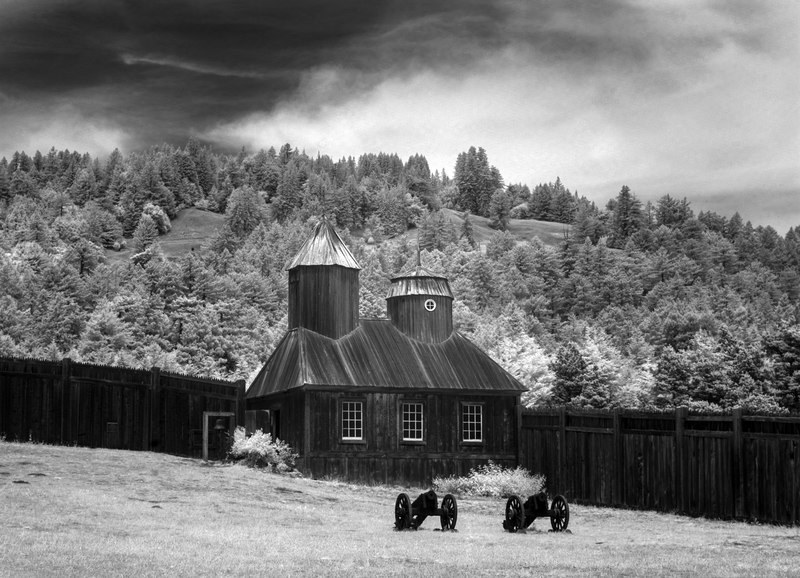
409, 315
441, 453
399, 470
290, 406
382, 456
324, 299
111, 407
742, 467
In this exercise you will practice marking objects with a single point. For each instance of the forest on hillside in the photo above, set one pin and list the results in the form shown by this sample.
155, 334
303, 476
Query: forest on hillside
643, 305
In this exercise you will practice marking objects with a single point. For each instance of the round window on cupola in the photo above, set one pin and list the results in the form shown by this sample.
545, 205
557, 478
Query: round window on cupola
430, 304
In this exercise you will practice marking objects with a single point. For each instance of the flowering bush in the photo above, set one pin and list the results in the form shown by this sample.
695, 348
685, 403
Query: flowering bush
259, 450
492, 480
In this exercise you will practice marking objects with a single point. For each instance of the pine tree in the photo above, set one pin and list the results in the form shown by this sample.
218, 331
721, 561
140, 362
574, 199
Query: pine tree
627, 217
476, 181
245, 210
287, 196
500, 209
84, 188
569, 368
466, 230
5, 185
146, 233
539, 205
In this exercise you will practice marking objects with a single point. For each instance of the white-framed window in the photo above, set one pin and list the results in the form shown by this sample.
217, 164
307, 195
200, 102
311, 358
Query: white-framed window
352, 420
472, 422
412, 419
430, 305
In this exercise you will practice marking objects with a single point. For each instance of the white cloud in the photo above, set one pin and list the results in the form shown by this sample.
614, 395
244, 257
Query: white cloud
537, 121
60, 126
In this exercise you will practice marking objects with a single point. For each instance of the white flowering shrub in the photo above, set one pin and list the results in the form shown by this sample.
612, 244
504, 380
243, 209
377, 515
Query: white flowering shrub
259, 450
492, 480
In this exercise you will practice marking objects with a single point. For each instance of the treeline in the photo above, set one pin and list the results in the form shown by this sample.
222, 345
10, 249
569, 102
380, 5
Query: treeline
642, 306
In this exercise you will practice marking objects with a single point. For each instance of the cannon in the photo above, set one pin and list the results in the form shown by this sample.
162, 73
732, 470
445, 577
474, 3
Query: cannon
519, 516
409, 515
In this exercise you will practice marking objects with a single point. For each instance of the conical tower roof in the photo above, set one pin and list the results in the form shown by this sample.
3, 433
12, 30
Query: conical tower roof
324, 247
419, 281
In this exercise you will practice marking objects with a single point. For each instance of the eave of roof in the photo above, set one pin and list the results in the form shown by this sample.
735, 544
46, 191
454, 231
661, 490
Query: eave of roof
419, 281
376, 354
402, 286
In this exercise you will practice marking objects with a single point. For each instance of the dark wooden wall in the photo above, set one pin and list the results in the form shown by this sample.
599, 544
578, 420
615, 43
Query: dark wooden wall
111, 407
384, 458
324, 298
288, 408
742, 467
409, 315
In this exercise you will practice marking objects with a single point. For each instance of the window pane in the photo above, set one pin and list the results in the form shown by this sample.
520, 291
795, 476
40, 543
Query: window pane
472, 422
352, 423
412, 422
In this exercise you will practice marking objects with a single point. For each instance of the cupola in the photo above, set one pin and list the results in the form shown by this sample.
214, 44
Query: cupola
323, 284
420, 304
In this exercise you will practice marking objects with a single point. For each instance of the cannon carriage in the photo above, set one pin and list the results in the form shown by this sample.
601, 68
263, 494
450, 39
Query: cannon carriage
409, 515
520, 515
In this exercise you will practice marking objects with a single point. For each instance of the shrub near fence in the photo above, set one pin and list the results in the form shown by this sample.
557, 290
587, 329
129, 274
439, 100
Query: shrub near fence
112, 407
742, 467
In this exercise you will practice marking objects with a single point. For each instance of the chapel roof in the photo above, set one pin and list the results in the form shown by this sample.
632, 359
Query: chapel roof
377, 354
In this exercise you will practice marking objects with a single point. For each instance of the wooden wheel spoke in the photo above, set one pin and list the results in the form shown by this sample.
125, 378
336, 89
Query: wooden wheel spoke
559, 519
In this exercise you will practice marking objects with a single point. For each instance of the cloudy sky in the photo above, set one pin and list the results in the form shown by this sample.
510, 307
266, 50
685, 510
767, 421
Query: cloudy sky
693, 98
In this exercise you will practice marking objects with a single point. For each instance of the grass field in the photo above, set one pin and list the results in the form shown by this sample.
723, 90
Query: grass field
192, 228
77, 512
522, 229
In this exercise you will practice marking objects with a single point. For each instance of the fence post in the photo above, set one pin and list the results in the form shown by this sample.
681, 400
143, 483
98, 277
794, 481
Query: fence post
737, 463
240, 402
520, 459
66, 402
155, 442
617, 499
562, 450
680, 483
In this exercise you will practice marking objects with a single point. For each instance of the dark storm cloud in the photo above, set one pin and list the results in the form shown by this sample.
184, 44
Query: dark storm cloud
167, 68
161, 70
171, 67
692, 95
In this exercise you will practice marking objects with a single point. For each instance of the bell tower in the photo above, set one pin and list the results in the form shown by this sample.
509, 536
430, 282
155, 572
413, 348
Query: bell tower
323, 284
420, 304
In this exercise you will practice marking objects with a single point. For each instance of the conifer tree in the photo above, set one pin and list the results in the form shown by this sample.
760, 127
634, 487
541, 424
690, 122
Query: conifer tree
627, 217
466, 230
145, 234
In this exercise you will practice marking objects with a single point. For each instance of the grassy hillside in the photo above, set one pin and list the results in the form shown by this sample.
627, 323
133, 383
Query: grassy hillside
523, 229
190, 230
71, 511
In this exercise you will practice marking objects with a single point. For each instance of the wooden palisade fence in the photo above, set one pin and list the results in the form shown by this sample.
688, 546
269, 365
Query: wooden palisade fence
734, 467
111, 407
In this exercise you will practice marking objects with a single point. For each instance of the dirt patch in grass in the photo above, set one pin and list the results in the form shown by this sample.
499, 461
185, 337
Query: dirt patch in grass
105, 512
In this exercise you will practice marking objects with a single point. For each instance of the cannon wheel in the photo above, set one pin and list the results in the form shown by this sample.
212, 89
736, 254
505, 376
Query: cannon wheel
515, 514
402, 512
449, 512
559, 517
